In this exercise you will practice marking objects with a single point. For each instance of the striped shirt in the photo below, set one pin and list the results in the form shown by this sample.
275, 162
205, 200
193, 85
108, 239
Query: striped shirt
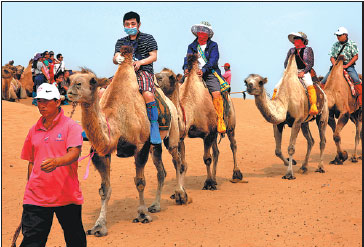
143, 44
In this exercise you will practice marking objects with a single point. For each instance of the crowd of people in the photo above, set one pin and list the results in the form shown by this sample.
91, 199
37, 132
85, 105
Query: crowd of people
50, 69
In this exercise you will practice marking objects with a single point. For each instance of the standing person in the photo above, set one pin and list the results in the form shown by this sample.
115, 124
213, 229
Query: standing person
52, 148
348, 48
144, 54
305, 61
227, 75
208, 49
51, 61
46, 57
59, 65
41, 75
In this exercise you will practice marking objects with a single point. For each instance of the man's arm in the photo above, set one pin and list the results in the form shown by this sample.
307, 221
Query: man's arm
152, 58
30, 168
353, 60
71, 156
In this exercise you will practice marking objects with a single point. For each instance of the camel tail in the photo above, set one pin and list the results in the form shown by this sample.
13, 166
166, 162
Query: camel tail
191, 59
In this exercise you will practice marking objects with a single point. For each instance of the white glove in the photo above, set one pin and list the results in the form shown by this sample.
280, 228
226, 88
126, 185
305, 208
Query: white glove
119, 59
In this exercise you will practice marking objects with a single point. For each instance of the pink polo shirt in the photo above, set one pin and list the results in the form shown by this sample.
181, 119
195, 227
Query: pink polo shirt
59, 187
227, 76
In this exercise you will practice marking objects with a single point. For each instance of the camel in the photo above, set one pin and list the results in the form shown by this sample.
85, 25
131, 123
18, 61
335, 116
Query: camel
289, 107
26, 79
198, 118
342, 105
11, 88
119, 122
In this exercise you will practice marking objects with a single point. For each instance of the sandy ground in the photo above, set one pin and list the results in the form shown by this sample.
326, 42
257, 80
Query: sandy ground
313, 210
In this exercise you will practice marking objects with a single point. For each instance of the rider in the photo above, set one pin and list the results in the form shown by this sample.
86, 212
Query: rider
351, 55
209, 48
305, 61
144, 54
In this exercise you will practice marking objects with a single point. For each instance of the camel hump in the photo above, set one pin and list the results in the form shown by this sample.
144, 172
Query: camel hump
340, 58
191, 59
125, 49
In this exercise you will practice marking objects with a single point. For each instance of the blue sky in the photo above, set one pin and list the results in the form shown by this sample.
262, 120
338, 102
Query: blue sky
252, 36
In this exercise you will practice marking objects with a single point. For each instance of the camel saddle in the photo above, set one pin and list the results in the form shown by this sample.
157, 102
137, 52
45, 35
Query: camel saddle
164, 115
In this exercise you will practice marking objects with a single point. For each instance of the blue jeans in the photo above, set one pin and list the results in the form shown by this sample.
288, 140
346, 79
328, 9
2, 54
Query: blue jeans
352, 72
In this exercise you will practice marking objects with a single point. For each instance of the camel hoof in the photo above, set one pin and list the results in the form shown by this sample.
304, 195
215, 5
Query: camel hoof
289, 177
210, 185
302, 170
181, 197
354, 159
143, 218
154, 209
320, 170
336, 161
343, 156
237, 175
97, 231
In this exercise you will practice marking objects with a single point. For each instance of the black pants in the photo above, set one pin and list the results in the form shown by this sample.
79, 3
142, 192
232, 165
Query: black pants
37, 222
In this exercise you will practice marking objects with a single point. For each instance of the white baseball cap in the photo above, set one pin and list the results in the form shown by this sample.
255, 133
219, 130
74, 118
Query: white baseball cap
341, 31
47, 91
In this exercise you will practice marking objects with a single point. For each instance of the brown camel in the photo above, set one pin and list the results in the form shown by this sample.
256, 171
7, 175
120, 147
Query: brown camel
194, 104
11, 88
26, 79
342, 105
119, 122
290, 107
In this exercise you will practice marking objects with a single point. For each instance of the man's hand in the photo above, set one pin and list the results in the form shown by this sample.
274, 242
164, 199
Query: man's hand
345, 66
119, 59
137, 65
301, 74
49, 165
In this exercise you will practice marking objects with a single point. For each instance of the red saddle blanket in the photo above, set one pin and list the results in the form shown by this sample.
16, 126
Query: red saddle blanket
350, 82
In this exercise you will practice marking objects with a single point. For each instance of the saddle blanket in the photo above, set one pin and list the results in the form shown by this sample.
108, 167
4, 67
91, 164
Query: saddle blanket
164, 115
350, 82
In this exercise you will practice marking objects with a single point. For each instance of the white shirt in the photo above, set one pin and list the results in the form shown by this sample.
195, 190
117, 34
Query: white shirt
57, 65
201, 62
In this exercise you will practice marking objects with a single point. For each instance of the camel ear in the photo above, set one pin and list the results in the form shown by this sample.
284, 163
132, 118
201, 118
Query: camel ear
102, 82
263, 81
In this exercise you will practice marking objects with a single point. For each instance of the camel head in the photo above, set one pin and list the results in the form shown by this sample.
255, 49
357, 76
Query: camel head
167, 81
192, 62
255, 84
84, 85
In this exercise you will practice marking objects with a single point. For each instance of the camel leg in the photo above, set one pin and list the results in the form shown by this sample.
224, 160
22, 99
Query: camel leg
141, 159
291, 149
341, 154
277, 130
215, 154
237, 175
210, 183
156, 152
180, 194
358, 130
102, 164
321, 122
310, 141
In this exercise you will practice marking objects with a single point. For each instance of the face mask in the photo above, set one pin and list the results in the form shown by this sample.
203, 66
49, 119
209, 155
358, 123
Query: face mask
298, 43
202, 38
131, 31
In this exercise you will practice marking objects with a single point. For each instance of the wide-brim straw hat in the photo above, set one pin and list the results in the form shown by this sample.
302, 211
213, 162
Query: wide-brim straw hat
301, 35
204, 26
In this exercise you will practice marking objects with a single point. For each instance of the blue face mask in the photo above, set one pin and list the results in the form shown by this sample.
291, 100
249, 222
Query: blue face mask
131, 31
